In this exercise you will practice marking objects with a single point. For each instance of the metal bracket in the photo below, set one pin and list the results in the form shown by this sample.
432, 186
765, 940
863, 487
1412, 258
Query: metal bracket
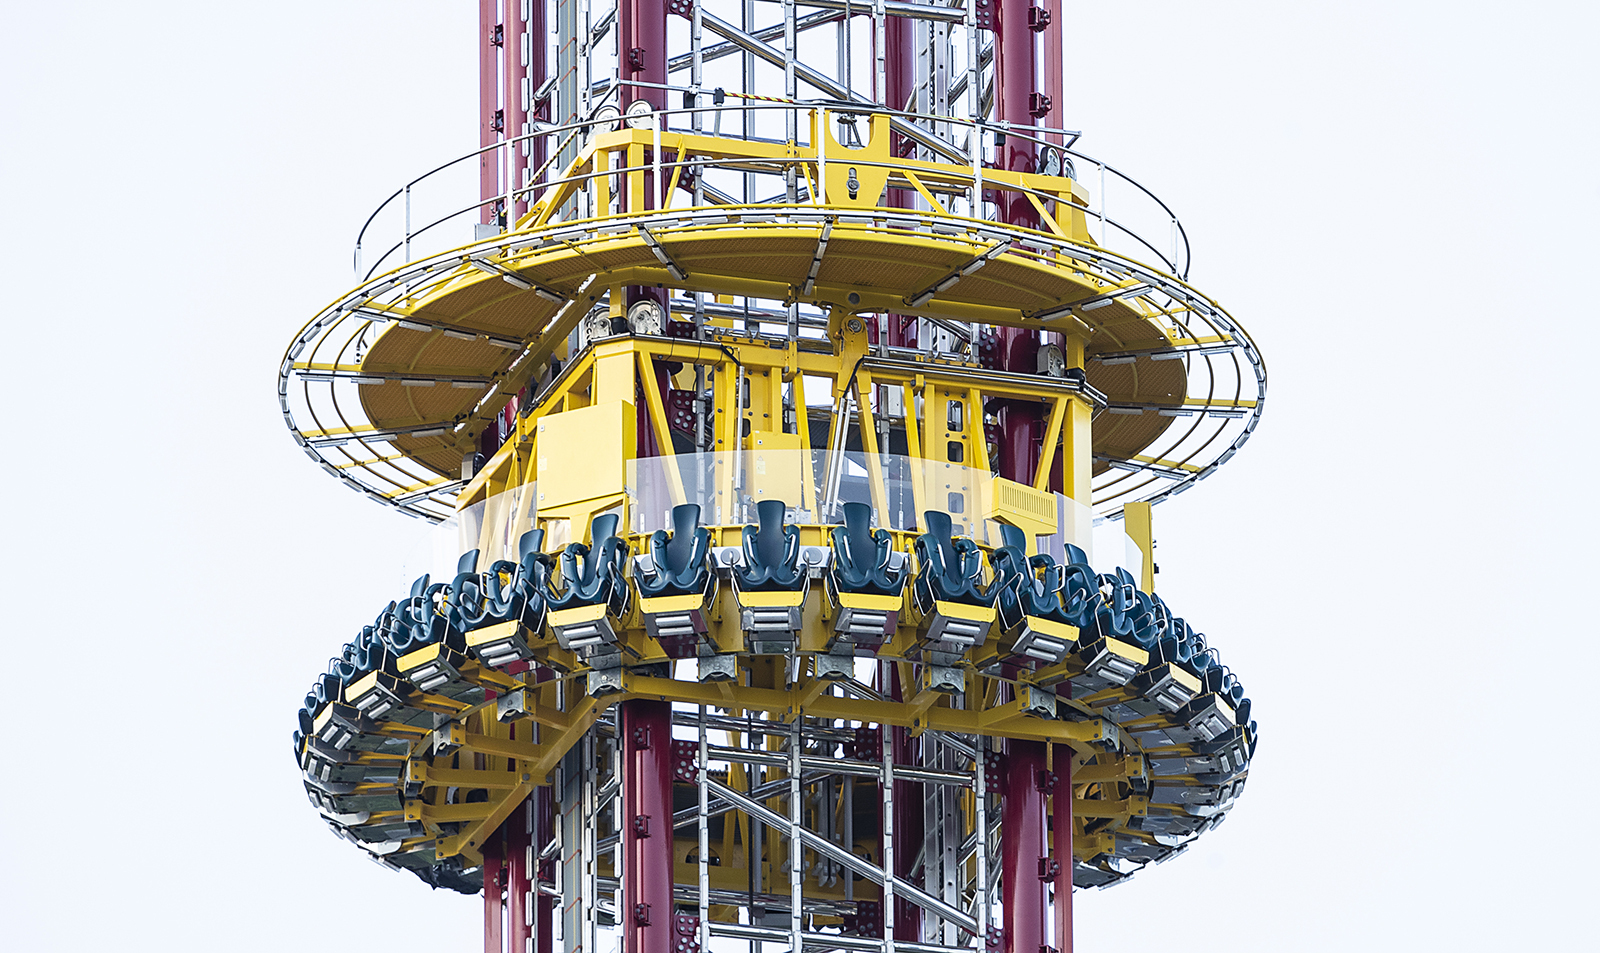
684, 755
1049, 869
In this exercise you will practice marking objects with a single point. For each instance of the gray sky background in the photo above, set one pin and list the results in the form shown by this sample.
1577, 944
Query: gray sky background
1397, 199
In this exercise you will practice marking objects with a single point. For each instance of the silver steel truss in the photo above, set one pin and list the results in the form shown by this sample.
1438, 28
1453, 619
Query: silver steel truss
792, 791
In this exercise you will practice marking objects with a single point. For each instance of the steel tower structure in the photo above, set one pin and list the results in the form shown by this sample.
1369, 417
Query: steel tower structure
772, 377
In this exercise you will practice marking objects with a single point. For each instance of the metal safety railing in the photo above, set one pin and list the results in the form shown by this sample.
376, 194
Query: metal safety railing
435, 197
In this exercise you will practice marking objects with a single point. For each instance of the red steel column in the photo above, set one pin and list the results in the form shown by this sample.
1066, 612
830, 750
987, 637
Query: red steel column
494, 911
644, 49
647, 827
1021, 425
488, 104
642, 26
1054, 68
1022, 847
515, 116
519, 875
1061, 808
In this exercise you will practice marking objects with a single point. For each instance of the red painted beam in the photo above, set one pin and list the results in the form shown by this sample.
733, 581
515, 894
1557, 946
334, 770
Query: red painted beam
644, 49
1061, 806
642, 58
514, 73
494, 911
538, 72
1016, 71
519, 876
488, 104
1022, 847
647, 827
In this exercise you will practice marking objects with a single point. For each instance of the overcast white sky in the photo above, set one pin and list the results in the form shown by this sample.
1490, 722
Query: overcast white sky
1397, 199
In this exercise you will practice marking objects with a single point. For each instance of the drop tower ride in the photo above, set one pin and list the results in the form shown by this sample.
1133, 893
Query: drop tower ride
774, 368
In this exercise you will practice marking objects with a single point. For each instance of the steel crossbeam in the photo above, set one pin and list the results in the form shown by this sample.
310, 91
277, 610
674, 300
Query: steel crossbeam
836, 853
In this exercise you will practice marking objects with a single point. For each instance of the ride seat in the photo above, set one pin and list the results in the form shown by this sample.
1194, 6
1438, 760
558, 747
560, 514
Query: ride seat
949, 570
771, 552
680, 563
863, 560
594, 590
590, 574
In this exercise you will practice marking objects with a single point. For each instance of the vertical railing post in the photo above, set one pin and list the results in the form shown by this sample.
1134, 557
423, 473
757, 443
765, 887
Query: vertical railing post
796, 849
702, 775
1102, 166
886, 827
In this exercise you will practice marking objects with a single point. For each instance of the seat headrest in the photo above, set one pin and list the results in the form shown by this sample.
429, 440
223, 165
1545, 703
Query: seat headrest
530, 542
603, 528
685, 526
858, 528
769, 537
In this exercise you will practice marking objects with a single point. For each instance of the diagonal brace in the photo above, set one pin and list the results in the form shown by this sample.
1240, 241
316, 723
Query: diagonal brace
836, 853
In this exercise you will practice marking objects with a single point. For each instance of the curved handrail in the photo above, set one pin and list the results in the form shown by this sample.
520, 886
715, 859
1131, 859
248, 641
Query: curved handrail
1177, 260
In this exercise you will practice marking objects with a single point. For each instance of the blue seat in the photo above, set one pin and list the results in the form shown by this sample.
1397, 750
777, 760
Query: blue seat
862, 555
949, 570
418, 619
593, 574
1080, 588
483, 599
464, 599
1024, 585
681, 563
1149, 619
1114, 616
771, 552
1176, 644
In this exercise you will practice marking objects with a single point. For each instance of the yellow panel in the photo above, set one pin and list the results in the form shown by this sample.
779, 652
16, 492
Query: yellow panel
771, 600
583, 453
1032, 511
776, 464
969, 613
869, 601
671, 603
1136, 521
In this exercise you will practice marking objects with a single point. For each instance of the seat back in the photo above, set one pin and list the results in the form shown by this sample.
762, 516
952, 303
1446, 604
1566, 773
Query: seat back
680, 561
771, 550
770, 540
529, 543
601, 531
860, 550
1011, 575
941, 550
950, 569
590, 573
686, 539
